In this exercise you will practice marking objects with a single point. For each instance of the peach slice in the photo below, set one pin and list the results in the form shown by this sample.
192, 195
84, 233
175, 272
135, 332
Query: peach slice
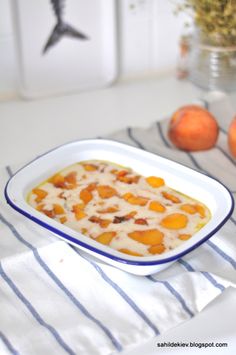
111, 209
104, 223
135, 200
149, 237
91, 187
157, 249
40, 193
156, 206
154, 181
94, 219
106, 191
170, 197
57, 180
58, 209
40, 207
78, 206
71, 177
128, 179
121, 173
129, 252
184, 236
130, 215
106, 237
191, 209
63, 219
174, 221
79, 213
127, 195
201, 210
89, 167
49, 213
86, 196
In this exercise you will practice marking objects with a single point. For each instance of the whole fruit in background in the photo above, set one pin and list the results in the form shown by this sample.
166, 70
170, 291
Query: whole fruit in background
232, 137
193, 128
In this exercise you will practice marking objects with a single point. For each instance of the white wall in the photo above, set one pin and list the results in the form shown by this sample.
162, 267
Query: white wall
148, 40
149, 33
7, 54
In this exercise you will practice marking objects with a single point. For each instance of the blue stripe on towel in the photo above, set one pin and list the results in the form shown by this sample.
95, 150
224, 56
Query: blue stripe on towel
209, 277
213, 281
122, 293
8, 344
175, 293
233, 220
115, 342
223, 130
222, 253
226, 155
133, 139
164, 140
34, 313
9, 171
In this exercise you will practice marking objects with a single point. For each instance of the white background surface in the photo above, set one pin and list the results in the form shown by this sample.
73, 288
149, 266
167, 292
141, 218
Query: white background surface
29, 128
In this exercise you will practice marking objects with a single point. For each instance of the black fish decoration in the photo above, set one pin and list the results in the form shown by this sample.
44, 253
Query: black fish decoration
61, 28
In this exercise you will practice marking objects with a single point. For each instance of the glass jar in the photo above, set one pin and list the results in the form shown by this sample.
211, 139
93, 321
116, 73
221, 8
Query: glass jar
212, 67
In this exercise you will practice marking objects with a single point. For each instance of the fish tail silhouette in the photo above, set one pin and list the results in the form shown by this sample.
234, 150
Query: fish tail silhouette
62, 29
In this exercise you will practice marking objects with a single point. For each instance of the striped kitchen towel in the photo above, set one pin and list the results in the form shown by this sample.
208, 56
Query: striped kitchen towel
54, 299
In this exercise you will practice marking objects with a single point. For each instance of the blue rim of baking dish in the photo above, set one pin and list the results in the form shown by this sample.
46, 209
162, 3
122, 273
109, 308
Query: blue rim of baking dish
71, 239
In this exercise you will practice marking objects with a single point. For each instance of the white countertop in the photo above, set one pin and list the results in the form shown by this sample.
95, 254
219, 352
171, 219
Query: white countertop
36, 126
29, 128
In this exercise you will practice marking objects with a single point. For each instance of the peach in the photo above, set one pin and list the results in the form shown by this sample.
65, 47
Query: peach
150, 236
201, 210
104, 223
174, 221
90, 167
193, 128
129, 179
106, 237
156, 206
154, 181
170, 197
135, 200
106, 191
63, 219
41, 194
130, 252
58, 209
232, 137
79, 213
184, 236
187, 207
157, 249
111, 209
57, 180
71, 177
85, 195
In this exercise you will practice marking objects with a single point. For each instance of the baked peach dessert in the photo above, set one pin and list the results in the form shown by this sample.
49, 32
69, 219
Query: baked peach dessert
117, 207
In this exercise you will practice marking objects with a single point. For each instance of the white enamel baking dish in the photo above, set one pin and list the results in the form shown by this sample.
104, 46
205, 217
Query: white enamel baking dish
199, 186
